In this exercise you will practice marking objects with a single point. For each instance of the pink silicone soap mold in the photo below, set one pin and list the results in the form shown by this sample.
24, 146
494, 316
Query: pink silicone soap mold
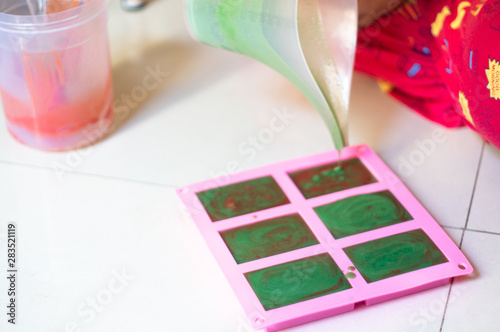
302, 240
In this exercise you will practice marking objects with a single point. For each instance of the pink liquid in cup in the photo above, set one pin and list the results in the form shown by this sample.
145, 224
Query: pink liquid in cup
56, 85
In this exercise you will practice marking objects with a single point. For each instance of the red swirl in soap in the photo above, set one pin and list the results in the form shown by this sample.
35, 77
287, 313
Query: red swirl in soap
241, 198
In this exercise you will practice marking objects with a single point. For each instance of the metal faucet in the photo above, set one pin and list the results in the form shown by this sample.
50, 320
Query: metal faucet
133, 5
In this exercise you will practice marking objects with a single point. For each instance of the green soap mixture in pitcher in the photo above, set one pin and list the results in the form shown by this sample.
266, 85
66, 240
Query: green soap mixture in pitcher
268, 32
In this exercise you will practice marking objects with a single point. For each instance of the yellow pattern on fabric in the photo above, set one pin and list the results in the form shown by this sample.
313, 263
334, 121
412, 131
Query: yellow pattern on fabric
465, 107
493, 75
438, 24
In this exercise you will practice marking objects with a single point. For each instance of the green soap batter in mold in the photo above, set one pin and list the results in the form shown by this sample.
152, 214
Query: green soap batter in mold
241, 198
329, 178
394, 255
362, 213
268, 238
297, 281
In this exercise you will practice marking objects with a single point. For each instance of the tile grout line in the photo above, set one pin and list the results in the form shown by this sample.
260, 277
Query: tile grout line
463, 231
453, 227
473, 194
89, 174
481, 231
471, 230
446, 305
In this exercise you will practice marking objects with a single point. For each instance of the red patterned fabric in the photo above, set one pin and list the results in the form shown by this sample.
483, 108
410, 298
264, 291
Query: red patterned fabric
441, 58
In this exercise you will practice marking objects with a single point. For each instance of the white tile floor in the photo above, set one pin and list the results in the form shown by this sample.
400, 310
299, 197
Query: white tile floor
110, 228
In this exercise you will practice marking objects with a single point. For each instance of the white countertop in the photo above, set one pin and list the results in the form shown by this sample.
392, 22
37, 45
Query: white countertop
104, 244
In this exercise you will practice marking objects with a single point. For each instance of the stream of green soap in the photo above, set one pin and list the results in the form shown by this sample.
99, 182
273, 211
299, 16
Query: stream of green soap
238, 26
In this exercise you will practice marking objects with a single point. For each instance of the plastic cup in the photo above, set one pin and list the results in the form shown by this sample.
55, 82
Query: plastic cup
291, 37
55, 80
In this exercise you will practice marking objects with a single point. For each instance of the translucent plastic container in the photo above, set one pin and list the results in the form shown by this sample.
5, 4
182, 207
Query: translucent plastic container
55, 79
